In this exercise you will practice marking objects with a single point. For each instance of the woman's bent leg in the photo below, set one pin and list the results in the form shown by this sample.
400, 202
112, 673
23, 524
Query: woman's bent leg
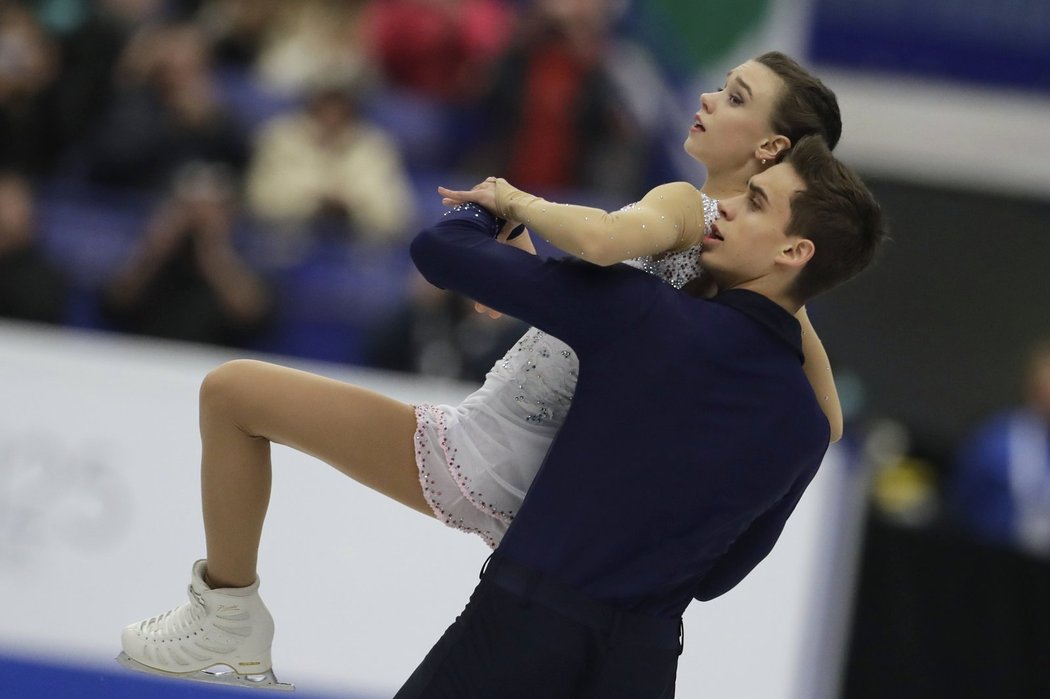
245, 405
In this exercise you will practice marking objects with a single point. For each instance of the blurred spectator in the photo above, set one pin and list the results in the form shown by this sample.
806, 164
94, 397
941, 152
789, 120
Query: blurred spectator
166, 112
556, 120
1002, 474
239, 29
441, 49
186, 281
326, 163
92, 37
438, 333
29, 65
306, 40
31, 287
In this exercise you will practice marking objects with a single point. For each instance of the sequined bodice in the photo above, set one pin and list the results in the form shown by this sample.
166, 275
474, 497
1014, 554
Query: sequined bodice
679, 268
536, 379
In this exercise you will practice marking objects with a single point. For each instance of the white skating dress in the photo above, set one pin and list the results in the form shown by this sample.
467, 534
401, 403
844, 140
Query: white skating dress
477, 459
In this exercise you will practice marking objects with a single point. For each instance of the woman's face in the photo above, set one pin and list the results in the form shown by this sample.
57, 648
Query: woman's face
733, 121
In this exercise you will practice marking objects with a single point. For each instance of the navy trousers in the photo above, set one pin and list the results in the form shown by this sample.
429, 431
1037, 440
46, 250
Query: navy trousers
525, 636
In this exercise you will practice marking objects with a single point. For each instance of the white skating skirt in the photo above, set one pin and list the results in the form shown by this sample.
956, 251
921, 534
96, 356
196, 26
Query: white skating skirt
476, 462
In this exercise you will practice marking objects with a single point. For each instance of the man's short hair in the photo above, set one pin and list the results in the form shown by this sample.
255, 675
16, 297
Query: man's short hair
837, 212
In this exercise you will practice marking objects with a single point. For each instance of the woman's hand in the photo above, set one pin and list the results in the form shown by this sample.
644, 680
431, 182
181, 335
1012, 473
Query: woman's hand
483, 194
481, 308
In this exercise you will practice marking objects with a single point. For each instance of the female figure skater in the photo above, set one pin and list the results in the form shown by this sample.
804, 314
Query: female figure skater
467, 465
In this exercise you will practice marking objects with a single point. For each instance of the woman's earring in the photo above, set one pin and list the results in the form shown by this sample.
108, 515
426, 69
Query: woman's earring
763, 161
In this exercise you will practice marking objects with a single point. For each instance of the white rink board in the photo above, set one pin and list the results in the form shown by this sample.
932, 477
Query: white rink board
100, 522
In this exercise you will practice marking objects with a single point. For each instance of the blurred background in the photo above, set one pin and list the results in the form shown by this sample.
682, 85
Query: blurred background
232, 177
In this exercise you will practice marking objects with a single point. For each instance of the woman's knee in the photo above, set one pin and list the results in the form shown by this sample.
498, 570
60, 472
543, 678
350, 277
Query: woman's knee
227, 387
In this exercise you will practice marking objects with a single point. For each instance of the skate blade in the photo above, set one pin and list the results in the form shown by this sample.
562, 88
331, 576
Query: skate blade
217, 674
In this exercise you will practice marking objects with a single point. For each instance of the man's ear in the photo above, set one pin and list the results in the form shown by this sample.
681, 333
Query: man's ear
797, 252
773, 148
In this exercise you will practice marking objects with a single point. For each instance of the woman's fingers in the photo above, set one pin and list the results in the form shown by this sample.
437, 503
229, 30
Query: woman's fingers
483, 194
481, 308
454, 194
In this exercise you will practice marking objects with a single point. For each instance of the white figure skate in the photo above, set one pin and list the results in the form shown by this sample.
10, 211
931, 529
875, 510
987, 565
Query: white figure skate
220, 636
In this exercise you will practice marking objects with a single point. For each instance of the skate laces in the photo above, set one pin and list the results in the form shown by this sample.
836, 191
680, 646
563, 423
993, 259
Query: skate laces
179, 619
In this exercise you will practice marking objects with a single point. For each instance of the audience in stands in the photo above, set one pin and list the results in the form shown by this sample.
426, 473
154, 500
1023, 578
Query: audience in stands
29, 68
438, 333
32, 287
554, 117
326, 163
1001, 488
440, 49
91, 37
240, 29
304, 41
166, 112
104, 102
186, 280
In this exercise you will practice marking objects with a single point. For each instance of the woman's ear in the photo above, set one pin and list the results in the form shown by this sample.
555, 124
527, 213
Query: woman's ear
773, 149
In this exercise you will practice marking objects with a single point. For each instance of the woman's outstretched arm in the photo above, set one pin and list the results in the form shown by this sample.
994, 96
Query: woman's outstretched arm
669, 218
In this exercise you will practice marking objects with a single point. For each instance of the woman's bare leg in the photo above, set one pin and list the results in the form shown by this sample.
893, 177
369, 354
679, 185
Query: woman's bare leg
245, 405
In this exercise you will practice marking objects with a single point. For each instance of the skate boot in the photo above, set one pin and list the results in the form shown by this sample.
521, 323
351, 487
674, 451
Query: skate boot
221, 636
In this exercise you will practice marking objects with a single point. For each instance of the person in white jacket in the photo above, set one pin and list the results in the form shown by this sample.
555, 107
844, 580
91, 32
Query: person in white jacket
327, 160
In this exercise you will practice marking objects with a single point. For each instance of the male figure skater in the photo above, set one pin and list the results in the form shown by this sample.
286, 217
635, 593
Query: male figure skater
692, 435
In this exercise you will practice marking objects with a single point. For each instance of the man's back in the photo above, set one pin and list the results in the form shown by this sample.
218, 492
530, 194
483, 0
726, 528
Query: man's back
657, 471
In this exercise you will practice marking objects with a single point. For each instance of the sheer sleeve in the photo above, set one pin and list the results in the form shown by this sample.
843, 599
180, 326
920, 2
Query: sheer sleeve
668, 218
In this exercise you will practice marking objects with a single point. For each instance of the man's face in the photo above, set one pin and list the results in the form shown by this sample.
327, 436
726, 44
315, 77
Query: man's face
749, 233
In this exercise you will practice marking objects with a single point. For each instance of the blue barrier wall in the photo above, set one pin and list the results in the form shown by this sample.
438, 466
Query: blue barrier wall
993, 42
21, 678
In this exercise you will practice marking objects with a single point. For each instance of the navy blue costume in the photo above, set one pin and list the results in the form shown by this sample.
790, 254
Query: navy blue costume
692, 435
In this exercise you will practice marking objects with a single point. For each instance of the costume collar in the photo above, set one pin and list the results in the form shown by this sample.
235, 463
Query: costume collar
766, 313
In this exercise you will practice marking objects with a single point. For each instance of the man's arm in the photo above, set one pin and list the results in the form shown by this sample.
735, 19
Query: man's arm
579, 303
753, 545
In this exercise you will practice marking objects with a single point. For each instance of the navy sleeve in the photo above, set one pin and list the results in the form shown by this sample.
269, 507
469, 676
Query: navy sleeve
752, 546
578, 302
